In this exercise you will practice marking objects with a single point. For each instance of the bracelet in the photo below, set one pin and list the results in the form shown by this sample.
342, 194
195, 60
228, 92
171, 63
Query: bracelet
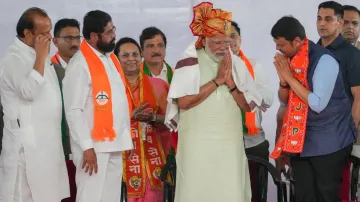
217, 85
233, 89
153, 118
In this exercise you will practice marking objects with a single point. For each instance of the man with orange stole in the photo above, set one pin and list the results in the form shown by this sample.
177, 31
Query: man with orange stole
318, 130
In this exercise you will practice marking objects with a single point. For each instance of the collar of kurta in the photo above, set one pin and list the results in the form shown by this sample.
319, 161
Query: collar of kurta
19, 43
166, 68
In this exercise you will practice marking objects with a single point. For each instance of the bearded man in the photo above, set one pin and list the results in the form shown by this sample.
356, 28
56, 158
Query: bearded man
210, 87
97, 112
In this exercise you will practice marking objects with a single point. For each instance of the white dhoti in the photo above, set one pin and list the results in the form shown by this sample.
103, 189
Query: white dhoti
105, 185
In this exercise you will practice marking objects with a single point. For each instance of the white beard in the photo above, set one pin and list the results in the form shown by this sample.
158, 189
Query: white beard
211, 54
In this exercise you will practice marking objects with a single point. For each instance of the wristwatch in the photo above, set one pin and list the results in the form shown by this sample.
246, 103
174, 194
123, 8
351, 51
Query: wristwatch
153, 118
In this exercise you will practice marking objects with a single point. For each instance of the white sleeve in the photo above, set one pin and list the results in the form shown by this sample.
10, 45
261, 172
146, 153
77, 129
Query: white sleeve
244, 82
76, 87
26, 82
262, 84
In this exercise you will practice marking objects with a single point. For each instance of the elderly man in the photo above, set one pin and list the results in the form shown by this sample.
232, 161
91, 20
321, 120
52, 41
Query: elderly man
210, 87
97, 111
32, 164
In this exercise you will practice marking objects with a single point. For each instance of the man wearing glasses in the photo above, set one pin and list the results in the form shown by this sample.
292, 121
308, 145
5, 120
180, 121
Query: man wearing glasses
67, 40
97, 112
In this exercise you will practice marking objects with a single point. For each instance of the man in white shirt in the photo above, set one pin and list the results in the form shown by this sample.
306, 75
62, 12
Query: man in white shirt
97, 112
153, 45
32, 164
254, 134
67, 40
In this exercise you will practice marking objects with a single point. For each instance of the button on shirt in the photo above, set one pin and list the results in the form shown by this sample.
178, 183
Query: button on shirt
79, 106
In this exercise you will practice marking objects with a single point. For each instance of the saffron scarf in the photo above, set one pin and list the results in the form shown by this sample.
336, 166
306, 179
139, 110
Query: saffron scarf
145, 69
103, 118
148, 157
249, 118
55, 59
170, 73
292, 135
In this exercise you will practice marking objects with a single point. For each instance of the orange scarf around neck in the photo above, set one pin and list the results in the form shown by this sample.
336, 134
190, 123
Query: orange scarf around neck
249, 118
56, 59
292, 136
103, 118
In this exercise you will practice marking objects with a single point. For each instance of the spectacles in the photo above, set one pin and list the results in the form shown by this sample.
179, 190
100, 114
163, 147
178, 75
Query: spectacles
110, 32
127, 55
69, 38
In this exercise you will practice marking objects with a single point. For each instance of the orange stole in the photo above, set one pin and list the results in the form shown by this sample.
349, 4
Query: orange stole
103, 117
55, 59
293, 129
148, 157
250, 117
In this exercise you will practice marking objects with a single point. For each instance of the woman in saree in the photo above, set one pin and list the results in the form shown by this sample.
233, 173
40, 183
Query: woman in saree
142, 165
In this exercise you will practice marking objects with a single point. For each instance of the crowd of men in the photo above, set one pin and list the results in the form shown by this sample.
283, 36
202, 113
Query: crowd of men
100, 112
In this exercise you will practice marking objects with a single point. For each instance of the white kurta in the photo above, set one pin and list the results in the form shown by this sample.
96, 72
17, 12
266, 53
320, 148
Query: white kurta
35, 101
79, 109
211, 161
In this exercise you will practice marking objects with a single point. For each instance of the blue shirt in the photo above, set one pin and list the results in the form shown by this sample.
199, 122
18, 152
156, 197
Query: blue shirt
324, 80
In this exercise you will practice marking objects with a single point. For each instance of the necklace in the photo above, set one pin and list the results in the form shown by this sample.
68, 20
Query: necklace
133, 83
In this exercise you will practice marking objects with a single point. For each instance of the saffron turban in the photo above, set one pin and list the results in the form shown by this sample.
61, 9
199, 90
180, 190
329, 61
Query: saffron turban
208, 21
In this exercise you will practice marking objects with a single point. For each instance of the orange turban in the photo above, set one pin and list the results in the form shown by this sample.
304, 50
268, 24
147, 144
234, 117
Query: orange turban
208, 21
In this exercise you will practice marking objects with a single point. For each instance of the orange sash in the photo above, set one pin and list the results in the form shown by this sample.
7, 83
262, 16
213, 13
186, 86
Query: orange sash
293, 129
148, 157
250, 117
103, 117
55, 59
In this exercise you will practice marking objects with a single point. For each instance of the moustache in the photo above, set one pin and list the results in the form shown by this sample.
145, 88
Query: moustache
74, 48
156, 55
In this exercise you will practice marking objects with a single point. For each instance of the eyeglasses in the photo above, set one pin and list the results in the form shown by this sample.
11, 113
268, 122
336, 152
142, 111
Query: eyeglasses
69, 38
110, 32
127, 55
